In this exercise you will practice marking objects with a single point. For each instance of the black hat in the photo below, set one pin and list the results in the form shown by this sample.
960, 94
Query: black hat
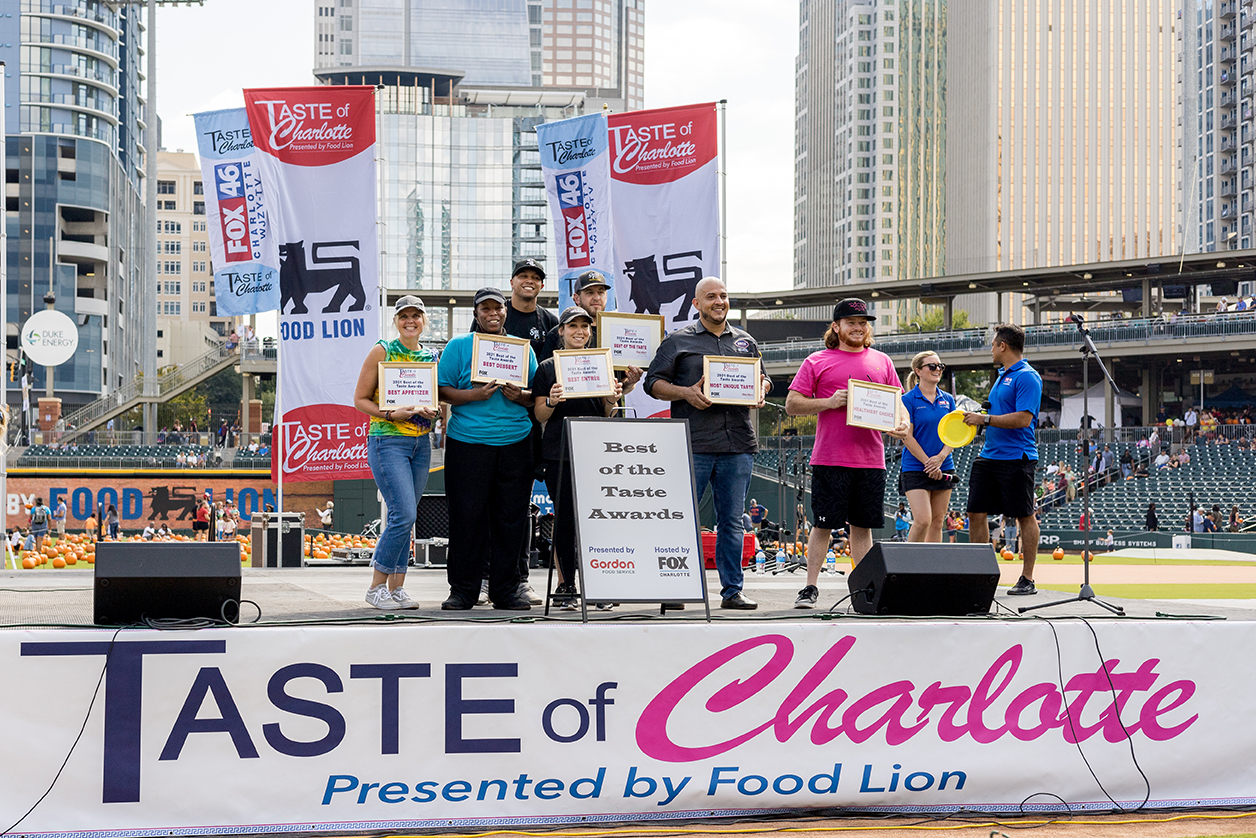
488, 294
851, 307
573, 313
526, 264
590, 279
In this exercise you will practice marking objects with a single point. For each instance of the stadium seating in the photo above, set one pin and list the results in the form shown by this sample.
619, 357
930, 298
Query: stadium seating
111, 456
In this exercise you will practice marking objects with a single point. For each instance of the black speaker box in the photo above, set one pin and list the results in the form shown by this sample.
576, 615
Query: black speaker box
433, 517
944, 580
162, 580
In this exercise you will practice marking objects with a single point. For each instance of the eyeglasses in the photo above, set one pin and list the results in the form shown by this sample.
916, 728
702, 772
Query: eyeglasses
936, 367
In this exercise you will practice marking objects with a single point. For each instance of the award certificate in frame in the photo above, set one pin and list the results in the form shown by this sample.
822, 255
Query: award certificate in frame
501, 358
584, 372
407, 384
633, 339
873, 406
732, 379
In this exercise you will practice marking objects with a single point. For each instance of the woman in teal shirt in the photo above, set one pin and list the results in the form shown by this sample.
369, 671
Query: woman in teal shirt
399, 454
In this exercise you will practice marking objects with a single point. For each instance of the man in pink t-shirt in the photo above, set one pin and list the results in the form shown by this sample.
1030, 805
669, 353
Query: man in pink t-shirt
847, 464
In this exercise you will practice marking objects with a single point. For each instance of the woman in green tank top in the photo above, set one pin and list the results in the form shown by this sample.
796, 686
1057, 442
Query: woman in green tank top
399, 454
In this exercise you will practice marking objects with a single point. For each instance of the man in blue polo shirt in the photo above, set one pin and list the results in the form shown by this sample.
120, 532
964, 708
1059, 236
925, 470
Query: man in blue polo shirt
1002, 478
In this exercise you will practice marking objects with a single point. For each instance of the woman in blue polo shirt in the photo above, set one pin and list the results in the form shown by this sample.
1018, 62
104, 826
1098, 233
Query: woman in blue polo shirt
928, 471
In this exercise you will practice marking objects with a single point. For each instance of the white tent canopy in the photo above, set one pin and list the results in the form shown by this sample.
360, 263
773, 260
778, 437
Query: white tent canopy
1071, 407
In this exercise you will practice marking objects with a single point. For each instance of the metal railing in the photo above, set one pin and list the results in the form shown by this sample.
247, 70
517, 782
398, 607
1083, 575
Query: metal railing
1141, 330
168, 385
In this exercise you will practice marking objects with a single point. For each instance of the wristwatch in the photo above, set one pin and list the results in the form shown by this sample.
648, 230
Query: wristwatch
987, 419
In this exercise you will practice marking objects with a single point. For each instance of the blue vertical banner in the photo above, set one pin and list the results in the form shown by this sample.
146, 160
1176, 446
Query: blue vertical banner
575, 160
241, 242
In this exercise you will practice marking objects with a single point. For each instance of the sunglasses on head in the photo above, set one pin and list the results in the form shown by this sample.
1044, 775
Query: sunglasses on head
935, 367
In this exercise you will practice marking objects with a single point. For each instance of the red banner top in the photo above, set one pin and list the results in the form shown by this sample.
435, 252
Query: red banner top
312, 126
662, 145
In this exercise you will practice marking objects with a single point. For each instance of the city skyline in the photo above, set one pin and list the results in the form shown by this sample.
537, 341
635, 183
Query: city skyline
695, 52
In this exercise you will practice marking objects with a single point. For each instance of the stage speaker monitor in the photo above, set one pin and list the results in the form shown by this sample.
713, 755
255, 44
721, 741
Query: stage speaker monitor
166, 580
925, 580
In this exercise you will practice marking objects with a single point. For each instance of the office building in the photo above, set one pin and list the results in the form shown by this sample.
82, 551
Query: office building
187, 315
596, 47
74, 121
461, 192
870, 141
1218, 167
1063, 132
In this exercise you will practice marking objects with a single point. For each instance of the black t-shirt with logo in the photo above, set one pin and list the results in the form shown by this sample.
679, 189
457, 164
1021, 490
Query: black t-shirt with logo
532, 325
552, 447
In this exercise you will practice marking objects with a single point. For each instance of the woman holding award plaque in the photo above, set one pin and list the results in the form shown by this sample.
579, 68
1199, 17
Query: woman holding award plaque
553, 405
398, 451
928, 470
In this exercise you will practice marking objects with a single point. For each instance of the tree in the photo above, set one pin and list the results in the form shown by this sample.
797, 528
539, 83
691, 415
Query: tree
930, 320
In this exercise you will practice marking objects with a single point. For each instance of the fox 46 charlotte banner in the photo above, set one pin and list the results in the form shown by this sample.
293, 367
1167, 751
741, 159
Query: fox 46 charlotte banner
241, 243
300, 729
576, 167
316, 151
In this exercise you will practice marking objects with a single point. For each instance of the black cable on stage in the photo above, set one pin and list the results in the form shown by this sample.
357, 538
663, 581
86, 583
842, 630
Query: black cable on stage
1059, 662
74, 744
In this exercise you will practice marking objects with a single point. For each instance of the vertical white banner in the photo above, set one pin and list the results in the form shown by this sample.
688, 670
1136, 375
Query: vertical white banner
576, 166
666, 201
316, 152
241, 244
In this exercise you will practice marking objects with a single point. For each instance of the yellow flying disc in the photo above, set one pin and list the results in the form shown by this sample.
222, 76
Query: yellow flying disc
953, 431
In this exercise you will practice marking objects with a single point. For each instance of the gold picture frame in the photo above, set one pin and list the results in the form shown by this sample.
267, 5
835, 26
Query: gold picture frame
391, 385
569, 363
483, 373
622, 334
724, 377
868, 404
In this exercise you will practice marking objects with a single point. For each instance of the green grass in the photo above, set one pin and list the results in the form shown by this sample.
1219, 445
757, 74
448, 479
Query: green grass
1188, 591
1101, 558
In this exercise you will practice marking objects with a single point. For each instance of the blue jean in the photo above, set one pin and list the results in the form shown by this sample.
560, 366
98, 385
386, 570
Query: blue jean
729, 476
399, 465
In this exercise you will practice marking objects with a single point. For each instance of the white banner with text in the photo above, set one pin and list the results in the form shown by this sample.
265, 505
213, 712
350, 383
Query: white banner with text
316, 153
341, 728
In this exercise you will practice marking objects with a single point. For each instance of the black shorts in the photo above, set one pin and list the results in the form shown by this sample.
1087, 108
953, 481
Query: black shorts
1002, 487
911, 480
842, 495
200, 525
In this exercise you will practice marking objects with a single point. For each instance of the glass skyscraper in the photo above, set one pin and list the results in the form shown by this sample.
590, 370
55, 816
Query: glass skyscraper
74, 176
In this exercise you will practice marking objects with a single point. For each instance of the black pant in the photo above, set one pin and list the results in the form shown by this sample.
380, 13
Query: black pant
488, 488
564, 518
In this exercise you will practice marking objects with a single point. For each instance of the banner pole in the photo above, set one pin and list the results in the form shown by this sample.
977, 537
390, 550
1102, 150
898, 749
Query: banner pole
276, 431
723, 179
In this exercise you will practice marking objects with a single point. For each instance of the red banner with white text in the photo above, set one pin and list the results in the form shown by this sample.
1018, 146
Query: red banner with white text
316, 152
665, 200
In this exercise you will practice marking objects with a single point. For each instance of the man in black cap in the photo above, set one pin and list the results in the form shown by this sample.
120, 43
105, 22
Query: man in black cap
847, 463
524, 318
590, 293
488, 463
723, 438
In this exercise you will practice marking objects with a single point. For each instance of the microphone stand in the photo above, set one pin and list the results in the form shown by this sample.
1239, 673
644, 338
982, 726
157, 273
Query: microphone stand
1087, 593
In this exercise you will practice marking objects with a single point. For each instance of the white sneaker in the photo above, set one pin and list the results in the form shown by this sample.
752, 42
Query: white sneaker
526, 592
381, 598
483, 600
403, 599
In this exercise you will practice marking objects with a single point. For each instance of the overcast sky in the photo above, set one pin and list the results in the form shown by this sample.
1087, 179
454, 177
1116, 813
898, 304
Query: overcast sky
696, 51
